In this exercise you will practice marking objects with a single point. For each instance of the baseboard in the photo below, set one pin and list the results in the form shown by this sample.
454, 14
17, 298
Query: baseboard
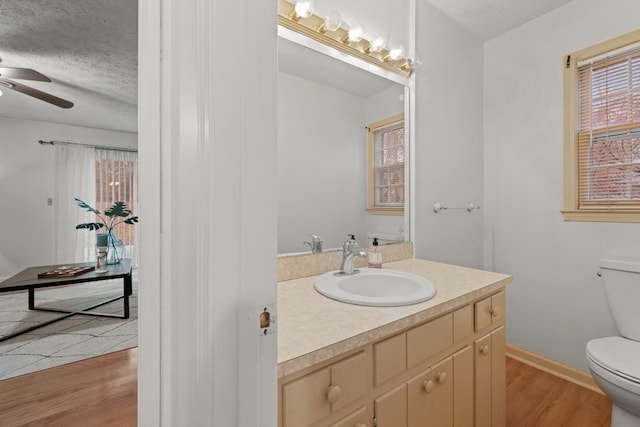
553, 367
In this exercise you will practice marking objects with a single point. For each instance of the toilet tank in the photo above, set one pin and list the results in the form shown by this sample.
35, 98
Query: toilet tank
621, 281
386, 238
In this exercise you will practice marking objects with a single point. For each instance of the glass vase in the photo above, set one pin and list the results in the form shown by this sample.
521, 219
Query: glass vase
116, 249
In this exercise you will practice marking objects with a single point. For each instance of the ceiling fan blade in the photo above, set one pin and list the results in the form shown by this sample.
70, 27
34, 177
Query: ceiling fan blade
27, 90
22, 74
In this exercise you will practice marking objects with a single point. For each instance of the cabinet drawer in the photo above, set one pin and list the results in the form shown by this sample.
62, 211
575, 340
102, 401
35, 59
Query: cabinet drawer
390, 358
429, 339
489, 310
462, 323
314, 396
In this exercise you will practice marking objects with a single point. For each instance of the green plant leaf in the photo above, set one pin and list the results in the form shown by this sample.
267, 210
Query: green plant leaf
132, 220
86, 206
90, 226
119, 208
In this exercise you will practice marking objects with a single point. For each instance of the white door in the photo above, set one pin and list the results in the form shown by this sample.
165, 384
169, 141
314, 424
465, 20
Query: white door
207, 150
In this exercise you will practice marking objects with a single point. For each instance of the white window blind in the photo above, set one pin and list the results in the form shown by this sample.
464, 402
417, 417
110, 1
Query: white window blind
608, 136
389, 165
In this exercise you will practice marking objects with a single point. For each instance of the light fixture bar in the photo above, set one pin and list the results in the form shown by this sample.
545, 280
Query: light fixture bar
313, 27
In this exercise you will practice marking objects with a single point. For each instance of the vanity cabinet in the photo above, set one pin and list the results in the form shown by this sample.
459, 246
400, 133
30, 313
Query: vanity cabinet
448, 371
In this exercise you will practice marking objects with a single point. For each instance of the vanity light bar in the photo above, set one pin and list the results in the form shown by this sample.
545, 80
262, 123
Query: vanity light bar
314, 27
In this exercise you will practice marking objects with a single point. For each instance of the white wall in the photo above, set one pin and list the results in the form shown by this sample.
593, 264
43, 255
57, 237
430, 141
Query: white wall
26, 181
322, 160
556, 303
378, 107
449, 149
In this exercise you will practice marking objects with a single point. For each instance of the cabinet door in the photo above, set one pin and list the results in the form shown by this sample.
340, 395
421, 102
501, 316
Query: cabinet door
482, 362
350, 377
419, 399
390, 409
305, 399
498, 378
463, 387
359, 418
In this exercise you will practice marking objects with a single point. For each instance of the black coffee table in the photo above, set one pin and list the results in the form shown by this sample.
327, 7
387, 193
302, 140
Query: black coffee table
28, 280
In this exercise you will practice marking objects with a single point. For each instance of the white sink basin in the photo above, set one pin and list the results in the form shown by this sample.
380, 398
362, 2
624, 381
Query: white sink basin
376, 287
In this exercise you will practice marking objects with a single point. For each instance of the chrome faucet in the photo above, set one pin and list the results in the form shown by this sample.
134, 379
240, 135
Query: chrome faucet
315, 244
350, 250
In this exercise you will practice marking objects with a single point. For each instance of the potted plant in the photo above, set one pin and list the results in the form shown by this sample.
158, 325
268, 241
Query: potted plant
117, 214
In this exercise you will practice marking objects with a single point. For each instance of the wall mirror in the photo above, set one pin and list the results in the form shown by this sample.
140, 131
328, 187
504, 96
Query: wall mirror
324, 108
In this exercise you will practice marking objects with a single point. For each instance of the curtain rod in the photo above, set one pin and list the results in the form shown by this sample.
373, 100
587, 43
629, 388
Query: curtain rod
106, 147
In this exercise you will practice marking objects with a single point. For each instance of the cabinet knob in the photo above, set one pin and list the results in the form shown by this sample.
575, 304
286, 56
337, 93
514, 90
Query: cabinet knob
427, 386
441, 377
484, 349
495, 311
334, 393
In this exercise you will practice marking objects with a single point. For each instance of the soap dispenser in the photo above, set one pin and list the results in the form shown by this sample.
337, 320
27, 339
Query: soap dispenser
375, 255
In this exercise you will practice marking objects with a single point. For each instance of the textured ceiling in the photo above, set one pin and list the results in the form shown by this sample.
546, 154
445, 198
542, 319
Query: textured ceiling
487, 19
88, 48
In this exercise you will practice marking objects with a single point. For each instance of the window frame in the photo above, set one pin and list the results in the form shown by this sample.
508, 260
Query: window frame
371, 190
571, 209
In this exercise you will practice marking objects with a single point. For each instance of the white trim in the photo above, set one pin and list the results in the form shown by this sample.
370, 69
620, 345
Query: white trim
410, 117
149, 131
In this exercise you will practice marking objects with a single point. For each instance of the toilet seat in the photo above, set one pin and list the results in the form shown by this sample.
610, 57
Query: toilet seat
620, 358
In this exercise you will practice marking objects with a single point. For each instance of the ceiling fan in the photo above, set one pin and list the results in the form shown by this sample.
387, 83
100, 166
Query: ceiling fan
7, 73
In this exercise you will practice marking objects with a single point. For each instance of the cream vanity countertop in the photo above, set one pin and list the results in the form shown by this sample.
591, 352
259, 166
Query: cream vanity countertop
313, 328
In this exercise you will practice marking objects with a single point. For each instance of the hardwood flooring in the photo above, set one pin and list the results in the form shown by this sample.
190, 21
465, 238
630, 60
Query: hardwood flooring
536, 398
96, 392
102, 392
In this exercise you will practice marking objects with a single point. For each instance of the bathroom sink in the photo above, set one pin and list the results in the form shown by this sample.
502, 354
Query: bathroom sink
376, 287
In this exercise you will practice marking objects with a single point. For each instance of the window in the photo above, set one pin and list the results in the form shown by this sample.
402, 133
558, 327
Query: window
116, 180
386, 166
602, 132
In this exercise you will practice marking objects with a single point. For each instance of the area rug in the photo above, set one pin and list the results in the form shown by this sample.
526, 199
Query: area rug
69, 340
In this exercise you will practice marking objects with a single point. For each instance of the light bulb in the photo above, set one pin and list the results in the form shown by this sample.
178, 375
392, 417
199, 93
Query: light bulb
396, 53
356, 32
332, 21
304, 9
378, 43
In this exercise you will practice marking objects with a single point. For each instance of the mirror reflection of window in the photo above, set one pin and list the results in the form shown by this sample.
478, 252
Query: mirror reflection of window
386, 166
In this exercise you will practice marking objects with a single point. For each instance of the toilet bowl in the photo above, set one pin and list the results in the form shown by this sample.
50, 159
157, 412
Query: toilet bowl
614, 362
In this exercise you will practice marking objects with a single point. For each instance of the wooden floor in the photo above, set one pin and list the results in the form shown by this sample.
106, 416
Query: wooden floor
536, 398
96, 392
102, 392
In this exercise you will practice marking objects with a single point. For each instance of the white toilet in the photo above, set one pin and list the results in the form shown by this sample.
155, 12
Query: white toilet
614, 362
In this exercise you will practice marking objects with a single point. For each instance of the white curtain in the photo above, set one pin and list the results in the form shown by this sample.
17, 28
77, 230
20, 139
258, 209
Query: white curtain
99, 177
74, 178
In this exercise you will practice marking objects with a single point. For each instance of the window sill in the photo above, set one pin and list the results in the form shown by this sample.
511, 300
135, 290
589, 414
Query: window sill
596, 215
386, 211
